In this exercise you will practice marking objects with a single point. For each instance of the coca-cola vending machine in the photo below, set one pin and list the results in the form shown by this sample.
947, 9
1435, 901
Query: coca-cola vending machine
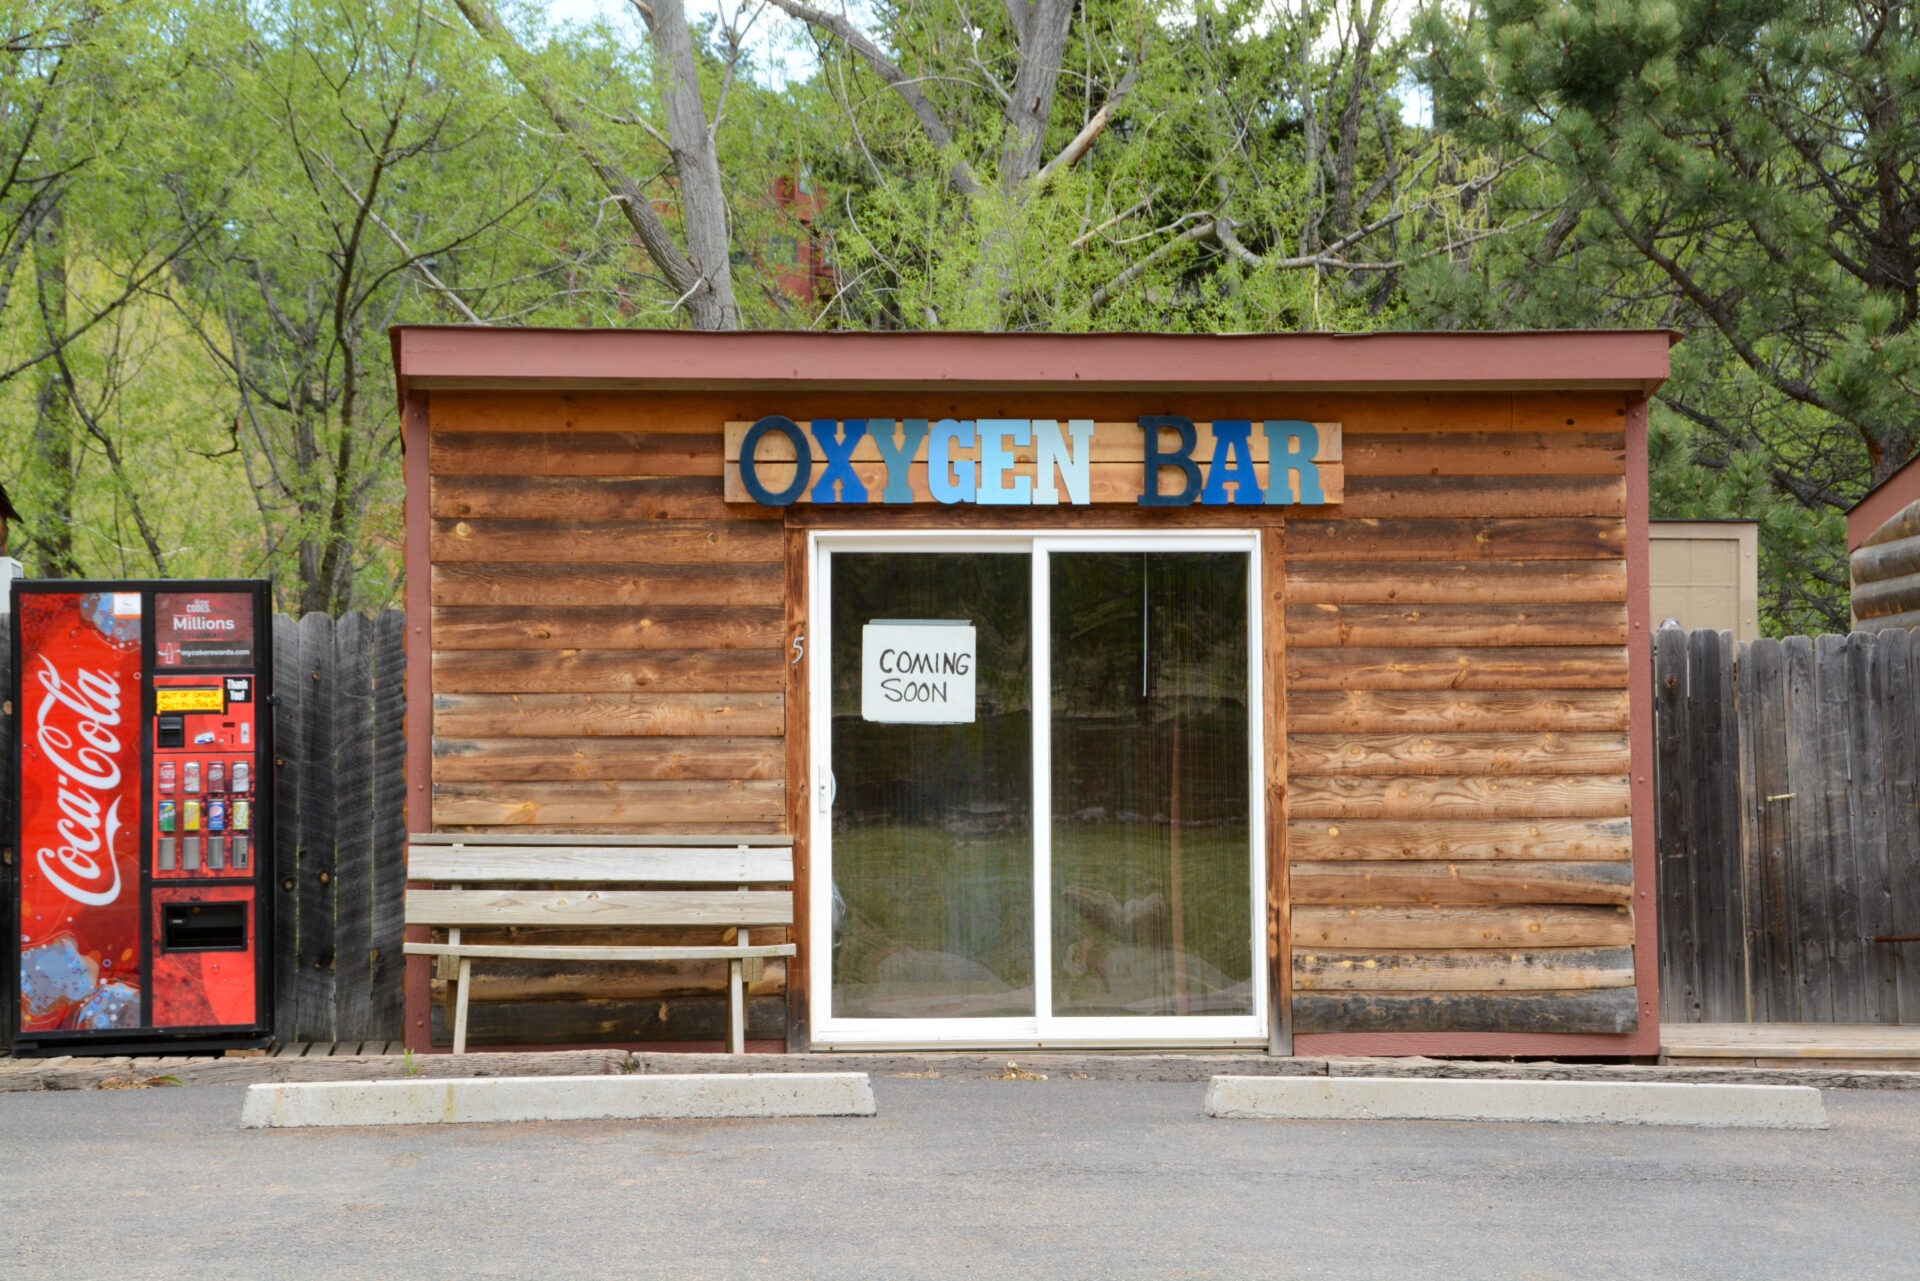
142, 749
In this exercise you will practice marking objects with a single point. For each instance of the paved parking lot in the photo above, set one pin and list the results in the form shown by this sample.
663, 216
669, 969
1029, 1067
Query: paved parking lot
1023, 1179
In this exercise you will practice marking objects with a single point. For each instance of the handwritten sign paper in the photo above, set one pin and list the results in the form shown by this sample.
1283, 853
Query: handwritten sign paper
917, 672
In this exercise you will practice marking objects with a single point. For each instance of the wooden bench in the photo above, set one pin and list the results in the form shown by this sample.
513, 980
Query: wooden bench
591, 882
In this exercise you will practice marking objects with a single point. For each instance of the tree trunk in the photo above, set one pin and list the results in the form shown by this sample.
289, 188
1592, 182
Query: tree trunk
697, 163
1043, 47
1347, 156
53, 434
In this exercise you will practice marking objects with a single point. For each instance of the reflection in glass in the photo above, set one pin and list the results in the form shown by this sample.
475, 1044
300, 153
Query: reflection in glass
1151, 873
933, 824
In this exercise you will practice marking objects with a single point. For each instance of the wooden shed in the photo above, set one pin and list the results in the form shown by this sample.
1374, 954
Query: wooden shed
1288, 691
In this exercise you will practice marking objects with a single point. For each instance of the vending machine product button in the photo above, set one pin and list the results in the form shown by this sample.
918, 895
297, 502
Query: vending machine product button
166, 853
191, 861
216, 853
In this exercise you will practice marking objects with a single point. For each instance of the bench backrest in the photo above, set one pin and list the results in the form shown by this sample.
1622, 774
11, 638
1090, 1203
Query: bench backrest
473, 863
600, 864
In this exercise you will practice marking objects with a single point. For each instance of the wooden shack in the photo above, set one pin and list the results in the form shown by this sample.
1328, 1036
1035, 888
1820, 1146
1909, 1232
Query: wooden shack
1284, 691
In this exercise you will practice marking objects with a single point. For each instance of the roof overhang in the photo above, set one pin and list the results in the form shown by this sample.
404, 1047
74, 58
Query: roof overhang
428, 357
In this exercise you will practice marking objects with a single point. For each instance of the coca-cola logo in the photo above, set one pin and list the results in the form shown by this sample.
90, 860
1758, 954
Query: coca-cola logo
86, 754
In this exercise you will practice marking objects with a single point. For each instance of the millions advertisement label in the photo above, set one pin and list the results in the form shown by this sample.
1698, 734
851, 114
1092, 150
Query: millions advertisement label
203, 629
79, 811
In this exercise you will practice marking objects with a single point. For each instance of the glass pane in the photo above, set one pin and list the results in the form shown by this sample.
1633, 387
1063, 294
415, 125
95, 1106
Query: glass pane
1151, 858
933, 824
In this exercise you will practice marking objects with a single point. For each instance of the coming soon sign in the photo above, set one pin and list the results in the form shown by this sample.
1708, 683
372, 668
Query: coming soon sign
1160, 460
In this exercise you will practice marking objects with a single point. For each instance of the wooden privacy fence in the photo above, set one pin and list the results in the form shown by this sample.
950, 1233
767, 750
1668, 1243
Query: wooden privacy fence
340, 825
1788, 827
340, 832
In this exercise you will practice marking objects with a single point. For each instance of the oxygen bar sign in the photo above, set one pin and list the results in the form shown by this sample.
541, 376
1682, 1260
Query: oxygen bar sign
917, 673
1160, 460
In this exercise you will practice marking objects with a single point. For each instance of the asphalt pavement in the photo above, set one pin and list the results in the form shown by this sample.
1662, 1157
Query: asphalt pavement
1027, 1179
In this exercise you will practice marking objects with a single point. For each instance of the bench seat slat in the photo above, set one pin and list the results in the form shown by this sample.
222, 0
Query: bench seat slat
589, 908
504, 951
515, 837
695, 864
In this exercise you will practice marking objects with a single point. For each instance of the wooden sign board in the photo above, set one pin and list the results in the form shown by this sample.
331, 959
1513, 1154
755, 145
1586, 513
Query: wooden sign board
1035, 462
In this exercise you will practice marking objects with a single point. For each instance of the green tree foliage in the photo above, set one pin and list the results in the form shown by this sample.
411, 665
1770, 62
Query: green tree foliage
1223, 166
211, 212
94, 171
1748, 173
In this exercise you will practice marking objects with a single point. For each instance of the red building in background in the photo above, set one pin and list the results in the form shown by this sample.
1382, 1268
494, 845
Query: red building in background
799, 261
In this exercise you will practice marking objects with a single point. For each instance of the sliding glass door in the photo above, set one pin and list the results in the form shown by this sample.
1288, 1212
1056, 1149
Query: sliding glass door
1037, 795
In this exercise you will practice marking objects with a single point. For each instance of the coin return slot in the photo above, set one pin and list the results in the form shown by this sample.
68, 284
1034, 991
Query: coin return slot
203, 927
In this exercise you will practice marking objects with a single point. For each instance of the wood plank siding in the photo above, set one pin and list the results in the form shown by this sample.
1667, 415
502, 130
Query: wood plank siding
613, 650
1458, 754
607, 636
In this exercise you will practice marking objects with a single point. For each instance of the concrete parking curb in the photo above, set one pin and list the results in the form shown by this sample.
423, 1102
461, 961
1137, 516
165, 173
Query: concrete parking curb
1775, 1107
556, 1098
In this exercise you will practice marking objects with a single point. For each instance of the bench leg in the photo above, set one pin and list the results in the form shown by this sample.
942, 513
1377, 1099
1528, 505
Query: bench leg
460, 1006
736, 1010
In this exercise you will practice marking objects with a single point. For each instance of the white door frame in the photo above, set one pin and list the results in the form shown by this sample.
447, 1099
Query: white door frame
1046, 1030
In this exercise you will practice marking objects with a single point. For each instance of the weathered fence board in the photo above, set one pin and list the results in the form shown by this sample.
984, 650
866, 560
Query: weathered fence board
1788, 818
342, 825
314, 956
353, 823
389, 872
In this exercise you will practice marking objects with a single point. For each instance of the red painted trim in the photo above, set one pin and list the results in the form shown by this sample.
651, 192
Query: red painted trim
425, 356
1465, 1045
1646, 932
1883, 502
418, 983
